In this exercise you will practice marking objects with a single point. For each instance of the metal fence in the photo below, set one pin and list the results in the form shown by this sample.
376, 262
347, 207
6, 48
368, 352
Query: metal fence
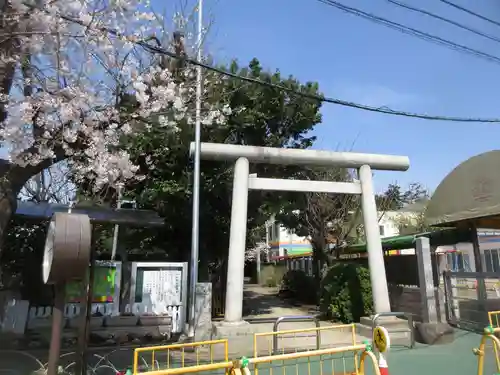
469, 297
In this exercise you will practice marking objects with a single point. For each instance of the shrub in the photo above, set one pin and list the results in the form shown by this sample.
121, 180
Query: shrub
345, 293
298, 285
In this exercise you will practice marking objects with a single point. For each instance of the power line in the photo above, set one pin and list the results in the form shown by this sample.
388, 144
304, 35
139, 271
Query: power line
463, 9
447, 20
321, 99
411, 31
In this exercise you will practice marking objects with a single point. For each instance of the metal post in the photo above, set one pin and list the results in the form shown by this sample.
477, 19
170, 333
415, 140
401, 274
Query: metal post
86, 302
296, 318
117, 227
196, 183
374, 246
257, 260
237, 243
57, 325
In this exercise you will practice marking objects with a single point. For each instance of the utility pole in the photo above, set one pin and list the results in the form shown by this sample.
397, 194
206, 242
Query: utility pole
196, 183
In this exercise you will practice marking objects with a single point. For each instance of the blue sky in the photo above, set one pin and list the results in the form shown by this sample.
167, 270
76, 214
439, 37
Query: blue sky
357, 60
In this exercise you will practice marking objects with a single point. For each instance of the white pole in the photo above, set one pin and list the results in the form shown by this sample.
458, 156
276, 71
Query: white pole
374, 246
196, 182
237, 244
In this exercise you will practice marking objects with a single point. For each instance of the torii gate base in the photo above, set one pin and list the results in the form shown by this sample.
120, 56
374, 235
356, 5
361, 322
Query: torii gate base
243, 182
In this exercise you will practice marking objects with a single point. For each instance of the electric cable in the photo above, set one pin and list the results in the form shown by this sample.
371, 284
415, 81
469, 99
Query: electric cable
444, 19
472, 13
411, 31
319, 98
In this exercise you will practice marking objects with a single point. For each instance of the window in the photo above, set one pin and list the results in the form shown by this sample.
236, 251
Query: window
458, 261
466, 265
381, 229
495, 260
488, 264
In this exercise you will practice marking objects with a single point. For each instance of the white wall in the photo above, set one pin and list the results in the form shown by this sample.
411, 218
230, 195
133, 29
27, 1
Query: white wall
390, 220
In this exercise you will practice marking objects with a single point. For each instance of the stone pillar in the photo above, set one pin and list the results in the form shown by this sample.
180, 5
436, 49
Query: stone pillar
374, 246
237, 243
426, 280
203, 323
479, 268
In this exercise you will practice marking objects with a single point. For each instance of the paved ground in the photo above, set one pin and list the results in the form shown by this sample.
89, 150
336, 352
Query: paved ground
453, 359
261, 302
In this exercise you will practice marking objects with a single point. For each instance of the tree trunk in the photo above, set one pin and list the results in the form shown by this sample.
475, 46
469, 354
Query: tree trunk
318, 258
12, 179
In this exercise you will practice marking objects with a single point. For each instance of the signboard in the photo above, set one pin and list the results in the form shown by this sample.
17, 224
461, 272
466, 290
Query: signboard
381, 339
159, 286
103, 288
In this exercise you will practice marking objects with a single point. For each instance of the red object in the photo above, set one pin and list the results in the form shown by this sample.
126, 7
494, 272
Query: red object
382, 365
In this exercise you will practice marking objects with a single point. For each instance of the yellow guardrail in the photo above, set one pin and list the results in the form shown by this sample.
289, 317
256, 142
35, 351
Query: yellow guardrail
300, 363
179, 356
299, 340
488, 335
494, 318
310, 338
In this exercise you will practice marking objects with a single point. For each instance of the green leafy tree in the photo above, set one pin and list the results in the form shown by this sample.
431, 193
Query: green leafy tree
333, 221
261, 116
328, 220
395, 197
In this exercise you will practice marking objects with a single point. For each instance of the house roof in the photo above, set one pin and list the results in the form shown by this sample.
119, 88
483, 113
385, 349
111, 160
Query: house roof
469, 194
437, 238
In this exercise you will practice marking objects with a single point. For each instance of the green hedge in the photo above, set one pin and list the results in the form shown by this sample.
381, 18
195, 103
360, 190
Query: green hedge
299, 286
345, 293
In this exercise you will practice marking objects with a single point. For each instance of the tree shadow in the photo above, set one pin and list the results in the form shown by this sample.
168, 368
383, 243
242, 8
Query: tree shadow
255, 303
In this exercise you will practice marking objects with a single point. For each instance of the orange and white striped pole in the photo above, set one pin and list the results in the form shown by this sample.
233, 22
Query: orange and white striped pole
382, 365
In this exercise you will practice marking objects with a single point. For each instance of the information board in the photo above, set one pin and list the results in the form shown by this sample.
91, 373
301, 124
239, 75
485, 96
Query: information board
103, 288
159, 286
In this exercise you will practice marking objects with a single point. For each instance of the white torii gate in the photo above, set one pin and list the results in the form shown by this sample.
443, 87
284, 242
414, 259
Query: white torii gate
243, 155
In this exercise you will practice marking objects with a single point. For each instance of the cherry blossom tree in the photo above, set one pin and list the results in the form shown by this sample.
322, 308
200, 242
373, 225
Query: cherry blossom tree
52, 185
259, 247
71, 90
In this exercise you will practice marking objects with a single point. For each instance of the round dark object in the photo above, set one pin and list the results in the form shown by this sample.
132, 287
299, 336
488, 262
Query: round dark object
67, 248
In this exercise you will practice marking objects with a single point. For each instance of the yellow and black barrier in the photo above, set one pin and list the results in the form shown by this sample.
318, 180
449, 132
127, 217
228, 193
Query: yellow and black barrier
177, 356
313, 362
494, 319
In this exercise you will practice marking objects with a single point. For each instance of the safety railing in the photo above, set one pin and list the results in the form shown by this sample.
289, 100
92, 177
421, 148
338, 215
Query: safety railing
295, 318
152, 358
489, 334
409, 318
304, 363
494, 319
294, 340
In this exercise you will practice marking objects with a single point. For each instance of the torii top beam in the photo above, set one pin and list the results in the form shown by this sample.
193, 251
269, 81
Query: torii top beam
284, 156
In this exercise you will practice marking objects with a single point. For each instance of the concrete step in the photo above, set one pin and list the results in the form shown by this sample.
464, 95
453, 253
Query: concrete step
398, 329
387, 322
